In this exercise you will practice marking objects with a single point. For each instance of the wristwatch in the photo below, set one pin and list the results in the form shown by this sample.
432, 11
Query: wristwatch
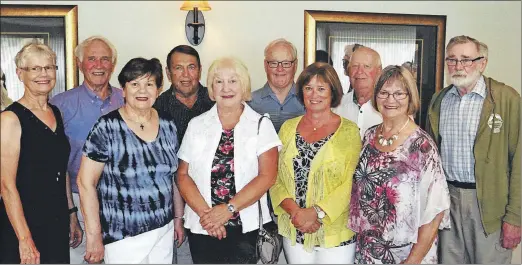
320, 213
231, 208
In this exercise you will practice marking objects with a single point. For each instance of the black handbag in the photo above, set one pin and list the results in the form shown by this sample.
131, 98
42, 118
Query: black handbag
269, 242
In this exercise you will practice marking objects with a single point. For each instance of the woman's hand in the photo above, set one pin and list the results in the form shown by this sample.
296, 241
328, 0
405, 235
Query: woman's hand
305, 220
215, 217
179, 231
75, 232
220, 232
312, 228
28, 252
94, 250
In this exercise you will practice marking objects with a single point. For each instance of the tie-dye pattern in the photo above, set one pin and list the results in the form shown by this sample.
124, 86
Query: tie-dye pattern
135, 189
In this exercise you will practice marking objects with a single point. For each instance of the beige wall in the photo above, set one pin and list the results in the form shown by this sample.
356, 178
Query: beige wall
243, 28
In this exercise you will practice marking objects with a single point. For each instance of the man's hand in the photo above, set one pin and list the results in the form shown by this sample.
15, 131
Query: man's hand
510, 236
75, 232
179, 231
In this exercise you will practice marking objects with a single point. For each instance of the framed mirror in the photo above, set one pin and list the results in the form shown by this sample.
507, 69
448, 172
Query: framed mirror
54, 25
414, 41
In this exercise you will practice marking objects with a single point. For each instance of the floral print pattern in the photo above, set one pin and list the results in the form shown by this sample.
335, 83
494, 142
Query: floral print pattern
222, 174
393, 195
302, 163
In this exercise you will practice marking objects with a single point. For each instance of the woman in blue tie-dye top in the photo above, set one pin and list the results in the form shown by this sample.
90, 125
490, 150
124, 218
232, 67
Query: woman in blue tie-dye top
130, 203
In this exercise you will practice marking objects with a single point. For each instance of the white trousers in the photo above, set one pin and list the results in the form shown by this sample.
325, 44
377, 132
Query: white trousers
338, 255
78, 253
153, 247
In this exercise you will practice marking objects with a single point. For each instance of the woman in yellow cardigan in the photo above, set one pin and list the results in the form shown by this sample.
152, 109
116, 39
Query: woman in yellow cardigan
312, 192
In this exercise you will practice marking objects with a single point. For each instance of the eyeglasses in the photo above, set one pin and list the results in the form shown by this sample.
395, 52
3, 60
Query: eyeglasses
38, 69
284, 64
396, 95
463, 62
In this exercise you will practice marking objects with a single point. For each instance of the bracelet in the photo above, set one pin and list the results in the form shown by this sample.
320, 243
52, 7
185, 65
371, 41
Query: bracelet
176, 217
73, 210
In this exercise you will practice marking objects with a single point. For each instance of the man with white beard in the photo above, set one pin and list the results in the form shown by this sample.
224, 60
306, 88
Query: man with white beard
475, 122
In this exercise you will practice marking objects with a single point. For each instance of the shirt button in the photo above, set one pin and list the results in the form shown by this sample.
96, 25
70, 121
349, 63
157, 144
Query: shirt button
58, 173
360, 111
57, 179
281, 108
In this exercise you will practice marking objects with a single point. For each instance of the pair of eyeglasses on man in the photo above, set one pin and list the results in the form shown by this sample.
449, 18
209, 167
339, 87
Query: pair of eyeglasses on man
38, 69
463, 62
396, 95
284, 64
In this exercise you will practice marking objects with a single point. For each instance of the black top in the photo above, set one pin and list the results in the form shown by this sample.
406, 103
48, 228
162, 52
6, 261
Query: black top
180, 113
40, 180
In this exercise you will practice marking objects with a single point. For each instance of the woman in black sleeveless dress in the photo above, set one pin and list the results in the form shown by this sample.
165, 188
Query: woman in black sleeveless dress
34, 218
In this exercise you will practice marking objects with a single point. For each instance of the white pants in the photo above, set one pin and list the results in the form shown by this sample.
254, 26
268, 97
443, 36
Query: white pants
78, 253
153, 247
338, 255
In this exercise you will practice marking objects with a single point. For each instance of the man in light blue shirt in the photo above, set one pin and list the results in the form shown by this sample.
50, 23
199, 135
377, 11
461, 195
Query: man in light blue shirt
81, 107
278, 96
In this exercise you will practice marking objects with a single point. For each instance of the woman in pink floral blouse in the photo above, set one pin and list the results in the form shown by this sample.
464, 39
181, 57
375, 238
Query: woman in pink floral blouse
399, 196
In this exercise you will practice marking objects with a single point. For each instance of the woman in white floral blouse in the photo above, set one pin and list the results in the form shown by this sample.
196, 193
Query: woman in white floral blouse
228, 161
399, 196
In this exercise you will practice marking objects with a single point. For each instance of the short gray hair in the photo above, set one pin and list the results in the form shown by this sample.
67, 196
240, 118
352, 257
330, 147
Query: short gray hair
33, 48
482, 48
283, 42
78, 51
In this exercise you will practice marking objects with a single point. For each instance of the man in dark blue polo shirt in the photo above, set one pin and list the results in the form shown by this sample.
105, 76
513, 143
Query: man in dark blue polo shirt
186, 98
278, 96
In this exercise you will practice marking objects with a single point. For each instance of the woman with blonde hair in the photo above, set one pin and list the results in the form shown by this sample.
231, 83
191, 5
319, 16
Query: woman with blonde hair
228, 161
34, 214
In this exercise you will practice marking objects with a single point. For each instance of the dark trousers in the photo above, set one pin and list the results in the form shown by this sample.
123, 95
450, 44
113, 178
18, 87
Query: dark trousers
236, 248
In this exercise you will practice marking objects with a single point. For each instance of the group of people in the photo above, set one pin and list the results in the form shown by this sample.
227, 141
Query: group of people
122, 175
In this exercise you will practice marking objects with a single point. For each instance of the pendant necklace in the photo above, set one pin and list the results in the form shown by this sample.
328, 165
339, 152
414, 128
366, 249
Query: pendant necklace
316, 128
389, 141
142, 124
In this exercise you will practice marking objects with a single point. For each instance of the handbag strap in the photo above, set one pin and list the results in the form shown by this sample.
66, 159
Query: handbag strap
266, 115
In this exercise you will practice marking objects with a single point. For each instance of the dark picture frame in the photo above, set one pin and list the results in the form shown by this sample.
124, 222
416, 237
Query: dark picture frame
410, 40
54, 25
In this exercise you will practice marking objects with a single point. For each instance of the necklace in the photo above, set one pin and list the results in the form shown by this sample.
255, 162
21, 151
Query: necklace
142, 124
316, 128
389, 141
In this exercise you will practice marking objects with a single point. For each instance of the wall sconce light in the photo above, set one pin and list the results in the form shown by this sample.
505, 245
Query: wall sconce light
195, 23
